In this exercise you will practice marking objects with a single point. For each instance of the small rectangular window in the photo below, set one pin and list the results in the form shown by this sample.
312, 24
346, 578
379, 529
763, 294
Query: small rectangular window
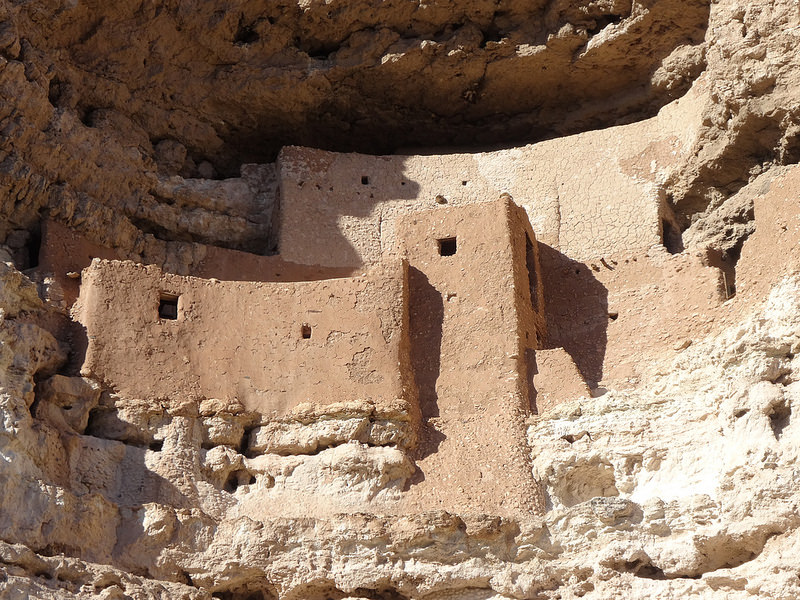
447, 246
168, 307
305, 331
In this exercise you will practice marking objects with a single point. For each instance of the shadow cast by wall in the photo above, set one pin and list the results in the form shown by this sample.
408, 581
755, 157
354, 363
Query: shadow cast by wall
576, 309
426, 318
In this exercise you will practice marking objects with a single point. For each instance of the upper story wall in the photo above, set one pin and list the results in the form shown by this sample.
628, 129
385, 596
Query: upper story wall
270, 345
588, 195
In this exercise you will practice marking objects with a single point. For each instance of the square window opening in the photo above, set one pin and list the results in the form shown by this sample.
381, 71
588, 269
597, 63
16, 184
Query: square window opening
364, 180
305, 331
447, 246
168, 307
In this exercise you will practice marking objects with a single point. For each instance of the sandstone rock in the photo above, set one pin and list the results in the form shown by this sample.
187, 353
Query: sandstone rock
65, 402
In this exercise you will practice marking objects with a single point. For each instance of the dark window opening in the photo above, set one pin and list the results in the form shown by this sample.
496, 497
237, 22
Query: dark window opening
447, 246
305, 331
168, 307
364, 180
463, 183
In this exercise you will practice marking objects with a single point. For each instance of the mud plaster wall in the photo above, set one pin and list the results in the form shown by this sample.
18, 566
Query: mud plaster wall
586, 195
471, 320
65, 252
246, 340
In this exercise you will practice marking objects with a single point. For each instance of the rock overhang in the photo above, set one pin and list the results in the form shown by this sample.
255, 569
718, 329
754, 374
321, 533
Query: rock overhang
350, 76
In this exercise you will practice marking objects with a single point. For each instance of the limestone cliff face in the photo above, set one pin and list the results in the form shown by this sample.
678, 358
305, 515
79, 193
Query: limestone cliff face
152, 129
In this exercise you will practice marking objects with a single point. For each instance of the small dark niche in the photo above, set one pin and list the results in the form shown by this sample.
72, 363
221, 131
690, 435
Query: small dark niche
447, 246
779, 418
671, 237
305, 331
603, 22
245, 36
237, 479
33, 248
364, 180
54, 91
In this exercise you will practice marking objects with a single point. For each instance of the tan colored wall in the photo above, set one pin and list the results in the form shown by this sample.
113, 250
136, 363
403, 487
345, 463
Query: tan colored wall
774, 247
447, 338
587, 195
243, 340
64, 251
607, 313
556, 379
468, 335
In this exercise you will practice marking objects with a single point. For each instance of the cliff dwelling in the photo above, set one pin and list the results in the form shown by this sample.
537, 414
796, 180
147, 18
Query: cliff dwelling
399, 300
451, 311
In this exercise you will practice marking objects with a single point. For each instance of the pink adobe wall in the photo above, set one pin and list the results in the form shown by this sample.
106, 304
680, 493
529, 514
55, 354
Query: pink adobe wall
244, 340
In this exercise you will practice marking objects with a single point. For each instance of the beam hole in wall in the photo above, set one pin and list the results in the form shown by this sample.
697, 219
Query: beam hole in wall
305, 331
364, 180
447, 246
168, 306
464, 182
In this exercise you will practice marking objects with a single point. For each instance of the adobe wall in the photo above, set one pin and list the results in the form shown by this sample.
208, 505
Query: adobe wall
62, 256
774, 247
64, 253
472, 321
245, 340
556, 379
587, 195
